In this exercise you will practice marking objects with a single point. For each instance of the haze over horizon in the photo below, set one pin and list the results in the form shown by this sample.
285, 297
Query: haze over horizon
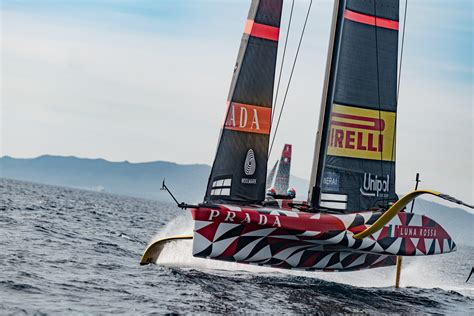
147, 80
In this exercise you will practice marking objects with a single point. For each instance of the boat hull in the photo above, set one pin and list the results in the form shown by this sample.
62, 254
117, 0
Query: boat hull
312, 241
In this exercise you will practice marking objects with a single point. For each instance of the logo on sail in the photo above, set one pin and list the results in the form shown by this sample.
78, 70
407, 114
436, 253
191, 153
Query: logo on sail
375, 186
361, 133
248, 118
331, 181
250, 164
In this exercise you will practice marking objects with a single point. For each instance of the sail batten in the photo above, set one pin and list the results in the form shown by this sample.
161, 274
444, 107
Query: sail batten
355, 158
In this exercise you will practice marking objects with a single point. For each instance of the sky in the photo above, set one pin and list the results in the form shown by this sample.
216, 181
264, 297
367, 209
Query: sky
148, 80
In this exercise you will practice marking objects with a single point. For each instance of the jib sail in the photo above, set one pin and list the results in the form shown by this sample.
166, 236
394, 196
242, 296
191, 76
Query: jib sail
354, 163
282, 179
240, 166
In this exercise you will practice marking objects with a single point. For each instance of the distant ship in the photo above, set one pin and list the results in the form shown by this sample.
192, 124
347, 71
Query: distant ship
352, 218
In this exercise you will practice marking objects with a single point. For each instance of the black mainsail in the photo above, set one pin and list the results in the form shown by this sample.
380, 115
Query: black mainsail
240, 166
354, 163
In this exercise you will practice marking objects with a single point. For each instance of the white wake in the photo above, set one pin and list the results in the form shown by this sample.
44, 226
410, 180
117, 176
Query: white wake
442, 271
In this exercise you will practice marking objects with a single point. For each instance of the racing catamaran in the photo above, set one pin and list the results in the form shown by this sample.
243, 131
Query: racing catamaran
352, 219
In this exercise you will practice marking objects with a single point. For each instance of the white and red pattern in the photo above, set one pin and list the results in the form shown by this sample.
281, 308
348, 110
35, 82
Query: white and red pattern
312, 241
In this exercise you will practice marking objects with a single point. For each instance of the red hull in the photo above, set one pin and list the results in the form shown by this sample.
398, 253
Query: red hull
312, 241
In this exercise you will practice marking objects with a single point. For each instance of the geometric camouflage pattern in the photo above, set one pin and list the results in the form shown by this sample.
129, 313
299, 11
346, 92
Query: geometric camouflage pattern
290, 239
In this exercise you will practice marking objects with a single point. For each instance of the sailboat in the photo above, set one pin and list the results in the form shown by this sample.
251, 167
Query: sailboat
352, 219
278, 180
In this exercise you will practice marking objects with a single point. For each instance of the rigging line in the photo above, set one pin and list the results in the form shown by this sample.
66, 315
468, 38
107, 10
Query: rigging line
282, 62
291, 76
378, 93
398, 83
401, 51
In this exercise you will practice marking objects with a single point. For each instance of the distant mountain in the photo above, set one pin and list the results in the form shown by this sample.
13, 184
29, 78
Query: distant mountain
134, 179
188, 183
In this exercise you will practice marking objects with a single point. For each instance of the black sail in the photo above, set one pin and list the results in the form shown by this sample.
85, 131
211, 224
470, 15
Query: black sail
355, 162
240, 166
282, 180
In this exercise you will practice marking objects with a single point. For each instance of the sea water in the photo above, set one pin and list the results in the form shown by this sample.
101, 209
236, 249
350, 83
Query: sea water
69, 251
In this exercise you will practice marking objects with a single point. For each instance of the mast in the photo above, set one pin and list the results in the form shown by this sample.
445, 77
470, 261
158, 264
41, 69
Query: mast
354, 162
239, 170
314, 192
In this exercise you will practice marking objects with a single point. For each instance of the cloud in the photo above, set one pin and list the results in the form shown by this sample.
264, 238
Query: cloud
106, 86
